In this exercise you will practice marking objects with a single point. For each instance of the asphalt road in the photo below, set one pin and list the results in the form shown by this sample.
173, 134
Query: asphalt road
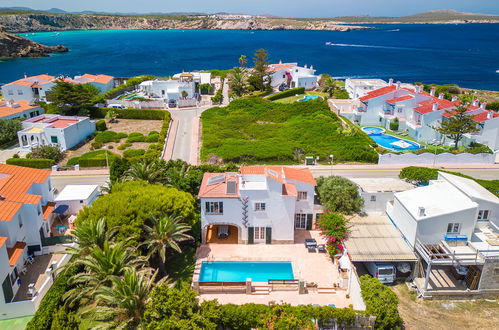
183, 144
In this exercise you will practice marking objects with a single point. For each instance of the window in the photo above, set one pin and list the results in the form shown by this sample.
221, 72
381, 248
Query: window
399, 109
39, 210
214, 207
81, 202
260, 206
373, 198
259, 233
302, 195
10, 92
483, 214
453, 228
300, 221
53, 139
19, 92
20, 221
284, 76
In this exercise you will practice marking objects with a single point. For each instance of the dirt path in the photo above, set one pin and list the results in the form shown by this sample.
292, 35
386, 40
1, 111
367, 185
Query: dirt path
445, 314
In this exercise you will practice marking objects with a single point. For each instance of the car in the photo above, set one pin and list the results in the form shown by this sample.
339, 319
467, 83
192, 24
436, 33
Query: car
116, 106
283, 87
172, 104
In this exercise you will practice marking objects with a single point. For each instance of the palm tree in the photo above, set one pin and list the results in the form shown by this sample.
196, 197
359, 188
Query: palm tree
329, 86
100, 266
122, 304
243, 61
238, 81
165, 233
143, 171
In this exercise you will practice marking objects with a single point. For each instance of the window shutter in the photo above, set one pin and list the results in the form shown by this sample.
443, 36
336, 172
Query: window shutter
251, 235
268, 235
207, 209
309, 221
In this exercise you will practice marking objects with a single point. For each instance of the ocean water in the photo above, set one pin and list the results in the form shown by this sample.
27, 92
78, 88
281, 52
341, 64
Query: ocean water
464, 54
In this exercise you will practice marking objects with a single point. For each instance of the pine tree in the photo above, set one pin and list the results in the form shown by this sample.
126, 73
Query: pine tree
458, 124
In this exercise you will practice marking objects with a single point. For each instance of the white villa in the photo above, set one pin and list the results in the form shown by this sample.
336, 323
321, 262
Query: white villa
453, 224
63, 131
29, 88
360, 87
101, 81
418, 111
293, 75
167, 89
258, 204
20, 109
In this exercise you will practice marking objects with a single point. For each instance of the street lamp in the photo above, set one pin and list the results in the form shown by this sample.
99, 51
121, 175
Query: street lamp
331, 157
107, 159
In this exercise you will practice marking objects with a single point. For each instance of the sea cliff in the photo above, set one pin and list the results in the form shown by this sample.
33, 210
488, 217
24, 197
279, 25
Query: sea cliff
12, 45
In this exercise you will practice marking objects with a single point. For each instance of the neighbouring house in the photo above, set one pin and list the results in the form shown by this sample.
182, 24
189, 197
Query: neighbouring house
258, 204
376, 192
199, 78
360, 87
167, 89
292, 75
20, 109
76, 196
453, 225
31, 89
26, 219
62, 131
101, 81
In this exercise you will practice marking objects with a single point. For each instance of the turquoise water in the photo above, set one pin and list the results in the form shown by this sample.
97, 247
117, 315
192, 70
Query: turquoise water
308, 98
465, 54
233, 271
387, 141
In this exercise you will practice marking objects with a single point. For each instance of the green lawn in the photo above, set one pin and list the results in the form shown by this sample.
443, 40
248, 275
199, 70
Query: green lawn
257, 131
293, 99
15, 324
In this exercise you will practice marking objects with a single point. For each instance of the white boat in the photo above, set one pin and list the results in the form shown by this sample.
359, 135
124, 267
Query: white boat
329, 43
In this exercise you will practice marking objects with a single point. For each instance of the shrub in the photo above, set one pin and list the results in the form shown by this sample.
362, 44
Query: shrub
153, 133
493, 106
133, 153
286, 93
334, 228
33, 163
217, 99
338, 194
136, 137
152, 138
394, 125
47, 152
381, 302
124, 146
96, 145
95, 158
100, 125
418, 175
9, 129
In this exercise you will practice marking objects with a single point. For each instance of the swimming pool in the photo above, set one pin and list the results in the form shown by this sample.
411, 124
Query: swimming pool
309, 97
389, 141
235, 271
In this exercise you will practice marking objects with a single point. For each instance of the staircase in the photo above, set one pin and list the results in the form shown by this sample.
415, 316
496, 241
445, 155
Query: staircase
245, 202
260, 290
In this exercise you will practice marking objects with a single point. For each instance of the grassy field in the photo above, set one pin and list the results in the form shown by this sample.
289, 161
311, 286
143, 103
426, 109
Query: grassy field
263, 132
445, 314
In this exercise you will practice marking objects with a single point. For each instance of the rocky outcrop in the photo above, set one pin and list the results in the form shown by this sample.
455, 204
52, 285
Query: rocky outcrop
48, 22
12, 45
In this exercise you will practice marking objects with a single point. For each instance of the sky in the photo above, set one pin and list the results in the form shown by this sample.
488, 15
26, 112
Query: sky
298, 8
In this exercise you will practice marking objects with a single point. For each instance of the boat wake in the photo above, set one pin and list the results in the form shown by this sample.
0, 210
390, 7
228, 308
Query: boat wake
366, 46
395, 30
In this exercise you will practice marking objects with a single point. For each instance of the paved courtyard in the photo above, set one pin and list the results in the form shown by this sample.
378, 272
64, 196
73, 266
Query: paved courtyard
317, 269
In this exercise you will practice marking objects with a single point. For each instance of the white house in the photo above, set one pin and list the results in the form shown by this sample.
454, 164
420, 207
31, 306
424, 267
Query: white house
258, 204
453, 225
199, 78
20, 109
360, 87
293, 75
26, 206
77, 196
101, 81
63, 131
167, 89
29, 88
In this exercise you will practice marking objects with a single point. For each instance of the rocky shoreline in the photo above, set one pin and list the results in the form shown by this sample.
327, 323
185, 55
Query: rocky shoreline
14, 46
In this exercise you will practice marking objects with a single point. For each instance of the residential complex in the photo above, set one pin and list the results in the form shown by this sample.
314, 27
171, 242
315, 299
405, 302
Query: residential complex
292, 75
101, 81
258, 204
19, 109
63, 131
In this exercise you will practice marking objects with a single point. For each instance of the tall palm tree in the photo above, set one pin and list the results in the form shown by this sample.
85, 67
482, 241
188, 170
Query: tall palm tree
243, 61
100, 266
165, 233
121, 305
143, 171
329, 86
238, 81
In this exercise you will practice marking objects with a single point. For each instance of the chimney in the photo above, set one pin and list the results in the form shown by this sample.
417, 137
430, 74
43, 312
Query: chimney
311, 67
390, 82
483, 105
432, 91
305, 66
435, 106
475, 102
398, 84
25, 76
490, 115
421, 211
441, 96
454, 98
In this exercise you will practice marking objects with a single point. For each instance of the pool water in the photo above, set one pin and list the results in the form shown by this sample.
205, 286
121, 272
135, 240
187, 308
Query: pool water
389, 141
309, 97
234, 271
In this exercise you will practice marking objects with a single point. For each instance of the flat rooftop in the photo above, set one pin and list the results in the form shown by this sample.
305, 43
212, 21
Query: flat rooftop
76, 192
469, 187
382, 184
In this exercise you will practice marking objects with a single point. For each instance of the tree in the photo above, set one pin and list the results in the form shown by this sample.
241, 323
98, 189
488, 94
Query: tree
143, 171
72, 99
334, 228
458, 124
418, 175
9, 129
238, 81
47, 152
243, 61
329, 86
339, 194
165, 233
184, 94
260, 78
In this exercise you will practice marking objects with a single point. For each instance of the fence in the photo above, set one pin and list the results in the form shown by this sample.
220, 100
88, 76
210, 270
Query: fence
439, 159
224, 287
139, 104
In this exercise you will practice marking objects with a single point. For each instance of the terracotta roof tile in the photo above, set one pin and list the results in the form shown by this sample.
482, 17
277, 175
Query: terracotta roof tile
219, 189
34, 81
15, 252
378, 92
427, 106
289, 189
2, 241
280, 66
400, 99
6, 110
47, 210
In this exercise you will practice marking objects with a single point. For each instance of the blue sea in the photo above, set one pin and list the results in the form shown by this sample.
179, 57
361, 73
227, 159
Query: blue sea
465, 54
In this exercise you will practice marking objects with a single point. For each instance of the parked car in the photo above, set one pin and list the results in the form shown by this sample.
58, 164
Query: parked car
172, 104
283, 87
384, 272
116, 106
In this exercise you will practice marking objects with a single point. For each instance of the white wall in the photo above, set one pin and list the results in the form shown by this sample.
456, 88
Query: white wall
404, 221
379, 205
430, 159
432, 230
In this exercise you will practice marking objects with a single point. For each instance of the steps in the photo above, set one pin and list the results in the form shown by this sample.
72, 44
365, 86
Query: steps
326, 290
260, 290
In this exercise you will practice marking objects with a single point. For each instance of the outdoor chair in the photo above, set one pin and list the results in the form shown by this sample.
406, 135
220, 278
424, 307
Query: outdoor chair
310, 242
321, 248
311, 249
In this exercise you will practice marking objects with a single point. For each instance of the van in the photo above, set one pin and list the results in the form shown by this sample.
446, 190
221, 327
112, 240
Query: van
384, 272
116, 106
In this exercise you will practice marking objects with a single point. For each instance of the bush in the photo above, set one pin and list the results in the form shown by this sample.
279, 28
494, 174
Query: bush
217, 99
286, 93
33, 163
136, 137
338, 194
493, 106
100, 125
47, 152
9, 129
381, 302
334, 228
394, 125
124, 146
152, 138
93, 159
96, 145
130, 153
418, 175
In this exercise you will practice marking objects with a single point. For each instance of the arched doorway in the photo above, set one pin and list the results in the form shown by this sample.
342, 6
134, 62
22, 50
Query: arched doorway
222, 234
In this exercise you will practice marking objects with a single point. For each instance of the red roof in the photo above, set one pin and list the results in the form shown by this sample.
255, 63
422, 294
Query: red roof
219, 189
289, 189
280, 66
378, 92
296, 174
427, 106
15, 252
400, 99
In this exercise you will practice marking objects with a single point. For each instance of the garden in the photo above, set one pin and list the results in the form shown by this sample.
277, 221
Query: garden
258, 131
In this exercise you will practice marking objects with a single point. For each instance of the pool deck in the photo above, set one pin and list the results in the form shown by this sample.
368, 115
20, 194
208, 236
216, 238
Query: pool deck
310, 267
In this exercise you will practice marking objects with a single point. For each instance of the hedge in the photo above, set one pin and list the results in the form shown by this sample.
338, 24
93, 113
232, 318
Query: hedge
33, 163
286, 93
145, 114
133, 153
100, 125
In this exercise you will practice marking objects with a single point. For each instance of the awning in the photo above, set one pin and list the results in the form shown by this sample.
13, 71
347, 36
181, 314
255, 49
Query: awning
48, 209
61, 209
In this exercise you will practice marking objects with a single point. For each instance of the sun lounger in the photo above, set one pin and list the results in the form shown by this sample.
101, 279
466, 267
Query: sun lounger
321, 248
310, 242
311, 248
223, 231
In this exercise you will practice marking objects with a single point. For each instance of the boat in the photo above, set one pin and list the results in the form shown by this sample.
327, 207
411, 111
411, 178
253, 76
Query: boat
329, 43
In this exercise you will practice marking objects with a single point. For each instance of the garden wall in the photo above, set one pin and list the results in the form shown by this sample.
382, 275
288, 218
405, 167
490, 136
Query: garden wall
440, 159
139, 104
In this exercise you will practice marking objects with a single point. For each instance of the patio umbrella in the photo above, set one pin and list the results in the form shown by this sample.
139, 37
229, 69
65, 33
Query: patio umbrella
61, 209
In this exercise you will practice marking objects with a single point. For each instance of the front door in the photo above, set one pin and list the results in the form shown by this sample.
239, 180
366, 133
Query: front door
300, 221
259, 234
7, 290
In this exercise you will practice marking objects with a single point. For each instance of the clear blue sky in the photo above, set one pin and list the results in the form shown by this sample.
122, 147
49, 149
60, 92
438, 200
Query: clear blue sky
299, 8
